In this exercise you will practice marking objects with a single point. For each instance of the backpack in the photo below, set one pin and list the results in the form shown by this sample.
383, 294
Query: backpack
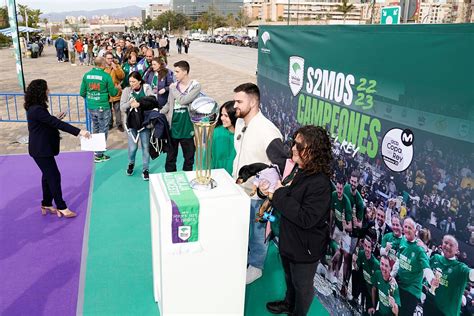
135, 118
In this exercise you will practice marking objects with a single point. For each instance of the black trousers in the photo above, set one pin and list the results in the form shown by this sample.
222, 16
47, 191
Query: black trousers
299, 285
50, 182
408, 303
187, 145
430, 308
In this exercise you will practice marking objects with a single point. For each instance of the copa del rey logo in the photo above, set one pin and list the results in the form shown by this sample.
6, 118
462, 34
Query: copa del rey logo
184, 232
295, 74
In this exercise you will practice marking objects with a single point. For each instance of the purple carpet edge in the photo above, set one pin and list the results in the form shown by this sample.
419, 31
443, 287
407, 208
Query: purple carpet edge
40, 256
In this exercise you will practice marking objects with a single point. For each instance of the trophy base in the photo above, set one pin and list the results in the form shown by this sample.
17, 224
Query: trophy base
196, 185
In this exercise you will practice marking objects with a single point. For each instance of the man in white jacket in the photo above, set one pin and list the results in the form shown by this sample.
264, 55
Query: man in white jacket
253, 133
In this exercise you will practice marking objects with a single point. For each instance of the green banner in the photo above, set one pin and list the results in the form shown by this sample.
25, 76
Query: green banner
16, 42
398, 101
185, 208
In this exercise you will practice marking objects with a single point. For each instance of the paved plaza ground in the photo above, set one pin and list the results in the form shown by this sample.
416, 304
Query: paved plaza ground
218, 68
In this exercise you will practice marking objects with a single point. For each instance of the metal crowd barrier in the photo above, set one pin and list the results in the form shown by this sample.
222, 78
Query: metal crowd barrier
11, 107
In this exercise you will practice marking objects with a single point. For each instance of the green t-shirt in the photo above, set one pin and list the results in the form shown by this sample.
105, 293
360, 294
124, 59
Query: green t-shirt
413, 260
454, 278
396, 242
341, 207
368, 267
181, 125
358, 203
96, 87
355, 200
384, 290
223, 150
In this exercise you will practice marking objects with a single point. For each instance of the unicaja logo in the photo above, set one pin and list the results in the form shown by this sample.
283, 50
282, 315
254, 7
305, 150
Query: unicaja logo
295, 74
265, 38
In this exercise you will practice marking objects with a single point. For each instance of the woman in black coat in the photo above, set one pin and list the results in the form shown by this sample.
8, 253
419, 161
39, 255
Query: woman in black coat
304, 204
43, 145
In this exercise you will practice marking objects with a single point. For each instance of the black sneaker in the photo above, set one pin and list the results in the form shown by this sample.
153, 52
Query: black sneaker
130, 169
145, 175
102, 158
279, 307
120, 128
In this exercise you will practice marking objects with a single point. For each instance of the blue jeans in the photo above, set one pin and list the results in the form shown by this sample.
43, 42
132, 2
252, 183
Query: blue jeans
100, 123
257, 246
60, 53
144, 137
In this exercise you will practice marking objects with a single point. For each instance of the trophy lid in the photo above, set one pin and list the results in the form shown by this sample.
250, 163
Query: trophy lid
204, 110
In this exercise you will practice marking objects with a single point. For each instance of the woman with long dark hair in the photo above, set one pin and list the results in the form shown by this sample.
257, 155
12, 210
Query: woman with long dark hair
223, 151
130, 104
43, 145
304, 202
159, 79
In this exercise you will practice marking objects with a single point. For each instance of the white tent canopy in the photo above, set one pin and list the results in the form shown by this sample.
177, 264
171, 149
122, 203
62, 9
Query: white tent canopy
8, 31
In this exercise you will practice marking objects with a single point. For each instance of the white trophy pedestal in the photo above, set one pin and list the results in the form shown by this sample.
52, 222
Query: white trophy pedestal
211, 281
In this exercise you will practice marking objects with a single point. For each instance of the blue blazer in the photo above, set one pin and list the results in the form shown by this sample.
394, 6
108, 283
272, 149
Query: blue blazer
43, 132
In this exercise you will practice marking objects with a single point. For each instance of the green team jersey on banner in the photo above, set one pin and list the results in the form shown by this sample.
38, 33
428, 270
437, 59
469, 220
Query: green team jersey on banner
396, 243
355, 200
368, 267
341, 207
384, 290
96, 87
413, 260
181, 125
454, 278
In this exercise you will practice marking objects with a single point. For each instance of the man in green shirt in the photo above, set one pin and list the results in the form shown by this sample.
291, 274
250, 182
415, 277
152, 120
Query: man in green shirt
449, 283
391, 241
413, 266
96, 87
342, 219
181, 95
357, 209
369, 265
385, 290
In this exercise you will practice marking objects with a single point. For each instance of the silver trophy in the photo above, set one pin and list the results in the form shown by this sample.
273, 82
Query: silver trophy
204, 112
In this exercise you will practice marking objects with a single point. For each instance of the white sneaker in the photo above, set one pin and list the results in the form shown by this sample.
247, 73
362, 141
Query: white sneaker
253, 274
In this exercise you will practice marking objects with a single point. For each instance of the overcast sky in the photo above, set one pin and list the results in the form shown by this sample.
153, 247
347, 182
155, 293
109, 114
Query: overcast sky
47, 6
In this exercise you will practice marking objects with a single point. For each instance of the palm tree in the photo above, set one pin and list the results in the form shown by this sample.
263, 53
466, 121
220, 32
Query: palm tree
345, 8
23, 11
4, 17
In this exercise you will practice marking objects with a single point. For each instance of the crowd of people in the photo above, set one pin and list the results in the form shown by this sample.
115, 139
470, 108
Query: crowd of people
379, 222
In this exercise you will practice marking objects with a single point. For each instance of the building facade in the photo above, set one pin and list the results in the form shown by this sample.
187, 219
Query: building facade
154, 10
195, 8
328, 12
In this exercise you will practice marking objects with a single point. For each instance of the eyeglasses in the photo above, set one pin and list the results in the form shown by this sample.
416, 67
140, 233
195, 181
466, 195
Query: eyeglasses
299, 146
243, 131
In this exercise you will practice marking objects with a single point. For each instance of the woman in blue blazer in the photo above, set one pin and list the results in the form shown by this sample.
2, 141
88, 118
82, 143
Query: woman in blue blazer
43, 145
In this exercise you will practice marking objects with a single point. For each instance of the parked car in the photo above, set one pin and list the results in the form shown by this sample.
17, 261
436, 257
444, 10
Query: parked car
242, 40
253, 43
229, 39
218, 39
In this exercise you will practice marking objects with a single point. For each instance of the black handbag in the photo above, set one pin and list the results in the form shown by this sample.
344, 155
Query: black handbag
135, 118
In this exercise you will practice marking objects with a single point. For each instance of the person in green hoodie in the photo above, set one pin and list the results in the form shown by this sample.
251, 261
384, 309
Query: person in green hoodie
449, 283
96, 87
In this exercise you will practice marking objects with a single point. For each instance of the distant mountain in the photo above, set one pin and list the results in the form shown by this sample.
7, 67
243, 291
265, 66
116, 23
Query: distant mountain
126, 12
